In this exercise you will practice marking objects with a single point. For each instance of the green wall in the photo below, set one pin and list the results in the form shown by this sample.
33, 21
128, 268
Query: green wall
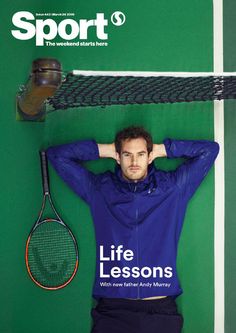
157, 36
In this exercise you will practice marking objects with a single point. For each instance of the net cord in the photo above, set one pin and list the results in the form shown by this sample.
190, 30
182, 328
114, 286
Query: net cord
148, 74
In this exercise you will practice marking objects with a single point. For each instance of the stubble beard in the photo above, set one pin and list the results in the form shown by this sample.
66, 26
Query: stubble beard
133, 177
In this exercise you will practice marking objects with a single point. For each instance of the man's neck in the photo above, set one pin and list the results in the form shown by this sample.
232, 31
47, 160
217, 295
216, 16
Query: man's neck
134, 180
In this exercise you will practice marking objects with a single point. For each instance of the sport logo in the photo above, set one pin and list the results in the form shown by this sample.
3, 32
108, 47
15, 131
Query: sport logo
118, 18
67, 29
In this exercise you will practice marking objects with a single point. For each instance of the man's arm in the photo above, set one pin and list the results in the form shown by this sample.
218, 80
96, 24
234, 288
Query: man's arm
107, 150
67, 160
200, 156
159, 150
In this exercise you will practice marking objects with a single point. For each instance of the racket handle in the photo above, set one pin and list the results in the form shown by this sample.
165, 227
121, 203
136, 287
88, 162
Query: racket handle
44, 170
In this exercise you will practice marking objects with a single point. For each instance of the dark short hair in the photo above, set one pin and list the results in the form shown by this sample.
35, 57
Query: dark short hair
133, 132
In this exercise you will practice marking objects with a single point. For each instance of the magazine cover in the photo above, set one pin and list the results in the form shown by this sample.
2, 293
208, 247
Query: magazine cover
118, 156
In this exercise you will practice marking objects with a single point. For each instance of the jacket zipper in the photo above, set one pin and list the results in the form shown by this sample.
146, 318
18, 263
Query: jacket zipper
136, 218
137, 247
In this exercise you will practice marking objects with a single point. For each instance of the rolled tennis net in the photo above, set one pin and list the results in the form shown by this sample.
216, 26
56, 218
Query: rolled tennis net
87, 88
49, 88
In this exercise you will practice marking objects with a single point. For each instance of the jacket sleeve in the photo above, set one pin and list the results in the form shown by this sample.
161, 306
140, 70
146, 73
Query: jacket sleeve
67, 160
200, 156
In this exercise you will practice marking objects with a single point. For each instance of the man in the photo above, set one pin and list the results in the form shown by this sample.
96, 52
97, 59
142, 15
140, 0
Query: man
138, 212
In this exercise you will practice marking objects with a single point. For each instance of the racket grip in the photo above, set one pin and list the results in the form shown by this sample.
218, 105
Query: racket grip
44, 170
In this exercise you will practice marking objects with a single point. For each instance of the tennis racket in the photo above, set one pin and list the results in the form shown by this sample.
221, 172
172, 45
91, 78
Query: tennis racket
51, 250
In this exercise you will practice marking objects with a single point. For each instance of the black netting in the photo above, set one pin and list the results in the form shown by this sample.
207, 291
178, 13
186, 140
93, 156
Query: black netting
80, 90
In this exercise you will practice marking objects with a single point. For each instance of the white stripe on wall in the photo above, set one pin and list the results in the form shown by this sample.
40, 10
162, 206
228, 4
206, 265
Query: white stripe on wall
219, 310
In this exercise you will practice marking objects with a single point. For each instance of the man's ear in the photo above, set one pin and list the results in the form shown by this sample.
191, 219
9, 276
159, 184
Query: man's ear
150, 157
117, 157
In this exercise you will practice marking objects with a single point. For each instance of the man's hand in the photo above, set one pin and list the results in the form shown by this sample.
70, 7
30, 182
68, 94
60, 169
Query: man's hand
158, 150
107, 150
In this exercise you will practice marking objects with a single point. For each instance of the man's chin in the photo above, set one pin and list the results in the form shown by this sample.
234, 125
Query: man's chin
134, 177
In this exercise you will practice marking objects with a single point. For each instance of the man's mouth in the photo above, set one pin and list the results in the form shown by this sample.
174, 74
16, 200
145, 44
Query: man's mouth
134, 168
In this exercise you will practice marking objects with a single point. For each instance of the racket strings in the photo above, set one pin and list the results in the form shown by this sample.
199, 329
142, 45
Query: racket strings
52, 254
53, 271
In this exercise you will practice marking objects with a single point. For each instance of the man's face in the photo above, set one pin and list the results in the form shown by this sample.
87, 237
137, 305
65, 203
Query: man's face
134, 159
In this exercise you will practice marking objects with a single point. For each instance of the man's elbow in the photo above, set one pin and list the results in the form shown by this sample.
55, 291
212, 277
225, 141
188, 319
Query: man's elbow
52, 155
215, 148
50, 152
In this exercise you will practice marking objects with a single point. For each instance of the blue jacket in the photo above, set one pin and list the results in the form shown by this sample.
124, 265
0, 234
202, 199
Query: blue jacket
137, 225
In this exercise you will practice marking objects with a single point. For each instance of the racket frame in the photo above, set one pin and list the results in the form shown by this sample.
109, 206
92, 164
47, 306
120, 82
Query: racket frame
47, 196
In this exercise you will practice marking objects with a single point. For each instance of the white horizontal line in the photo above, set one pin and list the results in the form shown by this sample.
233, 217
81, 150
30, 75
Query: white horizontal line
146, 74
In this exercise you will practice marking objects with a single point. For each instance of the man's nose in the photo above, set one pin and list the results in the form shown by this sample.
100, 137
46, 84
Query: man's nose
134, 160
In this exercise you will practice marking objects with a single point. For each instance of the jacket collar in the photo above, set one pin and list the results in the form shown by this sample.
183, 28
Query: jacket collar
147, 184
